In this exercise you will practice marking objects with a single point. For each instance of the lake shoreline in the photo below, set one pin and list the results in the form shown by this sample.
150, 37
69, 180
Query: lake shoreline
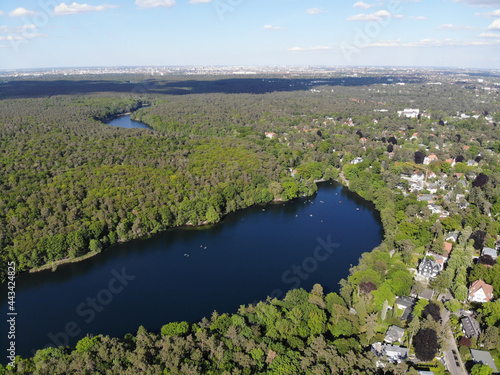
203, 225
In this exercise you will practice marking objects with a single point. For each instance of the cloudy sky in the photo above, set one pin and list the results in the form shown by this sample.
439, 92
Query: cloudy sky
54, 33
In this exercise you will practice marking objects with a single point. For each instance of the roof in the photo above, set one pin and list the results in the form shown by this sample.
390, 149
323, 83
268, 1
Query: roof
405, 301
394, 333
448, 246
478, 285
489, 251
429, 268
426, 294
483, 357
470, 326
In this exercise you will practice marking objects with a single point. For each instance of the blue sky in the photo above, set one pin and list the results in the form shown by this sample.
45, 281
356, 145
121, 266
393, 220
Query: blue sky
54, 33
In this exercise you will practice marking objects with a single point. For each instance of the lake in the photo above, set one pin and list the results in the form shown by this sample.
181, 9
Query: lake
126, 122
187, 273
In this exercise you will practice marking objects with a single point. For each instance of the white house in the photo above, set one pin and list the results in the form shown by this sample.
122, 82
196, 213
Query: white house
394, 334
393, 353
489, 251
429, 268
409, 112
481, 292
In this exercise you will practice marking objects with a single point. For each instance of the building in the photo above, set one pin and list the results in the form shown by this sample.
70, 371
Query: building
470, 327
429, 268
453, 236
425, 294
394, 334
484, 358
405, 304
393, 353
270, 135
491, 252
409, 112
448, 247
481, 292
357, 160
429, 159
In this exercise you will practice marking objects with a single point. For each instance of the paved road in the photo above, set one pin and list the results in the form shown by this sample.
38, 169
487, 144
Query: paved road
451, 355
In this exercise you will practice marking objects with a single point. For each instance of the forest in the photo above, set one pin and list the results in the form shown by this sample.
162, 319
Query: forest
71, 186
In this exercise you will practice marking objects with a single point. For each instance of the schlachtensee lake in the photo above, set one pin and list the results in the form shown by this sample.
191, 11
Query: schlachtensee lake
187, 273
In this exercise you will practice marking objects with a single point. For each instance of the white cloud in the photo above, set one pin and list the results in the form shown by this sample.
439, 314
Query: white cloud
155, 3
315, 11
495, 25
489, 35
75, 8
316, 48
435, 43
24, 36
1, 13
16, 29
363, 5
419, 18
481, 3
271, 27
199, 1
451, 27
21, 12
494, 14
377, 16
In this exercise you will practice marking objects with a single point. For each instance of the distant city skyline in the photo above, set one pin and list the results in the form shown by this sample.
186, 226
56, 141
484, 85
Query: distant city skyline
420, 33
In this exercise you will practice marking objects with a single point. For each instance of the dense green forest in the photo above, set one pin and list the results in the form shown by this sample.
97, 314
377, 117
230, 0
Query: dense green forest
72, 185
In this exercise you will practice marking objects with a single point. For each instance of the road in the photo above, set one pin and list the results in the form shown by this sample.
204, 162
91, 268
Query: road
451, 354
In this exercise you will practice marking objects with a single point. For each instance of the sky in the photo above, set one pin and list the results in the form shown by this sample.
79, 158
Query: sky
419, 33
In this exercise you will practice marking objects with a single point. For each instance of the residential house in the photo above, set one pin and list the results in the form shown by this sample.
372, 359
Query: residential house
426, 197
429, 159
435, 209
393, 353
404, 302
483, 357
481, 292
270, 135
448, 247
425, 294
489, 251
452, 236
470, 327
409, 112
429, 268
472, 163
394, 334
357, 160
440, 259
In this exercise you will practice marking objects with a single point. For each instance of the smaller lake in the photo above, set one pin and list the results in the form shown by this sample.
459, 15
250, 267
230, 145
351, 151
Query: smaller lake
126, 122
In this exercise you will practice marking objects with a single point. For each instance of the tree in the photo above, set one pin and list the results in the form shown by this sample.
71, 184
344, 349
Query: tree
479, 369
419, 157
480, 180
212, 215
426, 344
432, 310
478, 236
419, 307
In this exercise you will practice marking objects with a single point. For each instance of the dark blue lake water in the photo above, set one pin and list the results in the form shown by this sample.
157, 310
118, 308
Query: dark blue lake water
251, 254
126, 122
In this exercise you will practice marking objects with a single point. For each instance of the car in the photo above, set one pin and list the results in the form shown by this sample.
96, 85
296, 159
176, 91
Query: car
458, 364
